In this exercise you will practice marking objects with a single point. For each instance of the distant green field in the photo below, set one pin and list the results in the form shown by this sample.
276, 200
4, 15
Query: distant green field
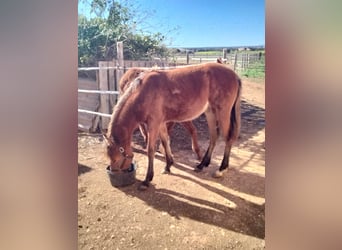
255, 70
208, 53
219, 52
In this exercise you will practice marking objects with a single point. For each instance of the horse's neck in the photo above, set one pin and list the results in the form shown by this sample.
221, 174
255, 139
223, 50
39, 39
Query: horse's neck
123, 128
124, 120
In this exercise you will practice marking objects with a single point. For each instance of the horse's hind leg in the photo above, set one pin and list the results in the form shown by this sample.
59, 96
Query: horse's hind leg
225, 161
164, 137
230, 131
170, 126
213, 132
193, 132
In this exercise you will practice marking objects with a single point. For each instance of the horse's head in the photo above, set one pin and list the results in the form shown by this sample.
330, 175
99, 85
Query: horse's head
120, 156
128, 77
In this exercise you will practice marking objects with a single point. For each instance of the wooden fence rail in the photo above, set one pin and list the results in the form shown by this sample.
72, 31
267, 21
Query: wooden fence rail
97, 98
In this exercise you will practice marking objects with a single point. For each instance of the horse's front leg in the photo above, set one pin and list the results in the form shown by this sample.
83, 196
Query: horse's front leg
152, 132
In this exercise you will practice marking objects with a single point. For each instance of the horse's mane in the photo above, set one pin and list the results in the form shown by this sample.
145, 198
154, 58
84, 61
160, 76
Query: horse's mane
132, 87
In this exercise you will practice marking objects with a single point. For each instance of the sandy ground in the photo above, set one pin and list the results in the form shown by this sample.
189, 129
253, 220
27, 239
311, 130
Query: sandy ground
184, 210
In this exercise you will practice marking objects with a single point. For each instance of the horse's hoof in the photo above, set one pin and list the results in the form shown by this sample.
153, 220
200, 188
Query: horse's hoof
143, 187
218, 173
165, 171
197, 169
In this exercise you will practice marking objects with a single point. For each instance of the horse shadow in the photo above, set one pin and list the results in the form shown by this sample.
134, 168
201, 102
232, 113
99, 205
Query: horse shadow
245, 217
82, 169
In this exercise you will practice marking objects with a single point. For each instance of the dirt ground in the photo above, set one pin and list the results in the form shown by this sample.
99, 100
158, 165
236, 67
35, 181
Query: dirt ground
183, 210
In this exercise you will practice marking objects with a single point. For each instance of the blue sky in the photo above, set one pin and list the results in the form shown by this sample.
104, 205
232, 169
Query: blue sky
205, 23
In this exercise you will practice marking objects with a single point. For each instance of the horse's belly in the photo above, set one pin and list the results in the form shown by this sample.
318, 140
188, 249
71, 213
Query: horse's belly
186, 112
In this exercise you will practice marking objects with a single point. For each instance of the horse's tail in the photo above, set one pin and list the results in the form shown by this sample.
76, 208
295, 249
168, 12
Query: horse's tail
235, 116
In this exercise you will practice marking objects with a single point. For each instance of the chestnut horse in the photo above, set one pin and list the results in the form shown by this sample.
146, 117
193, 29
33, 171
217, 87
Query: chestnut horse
129, 77
179, 95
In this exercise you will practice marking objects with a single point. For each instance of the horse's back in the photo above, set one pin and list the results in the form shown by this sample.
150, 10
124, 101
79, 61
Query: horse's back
190, 82
215, 77
204, 72
221, 73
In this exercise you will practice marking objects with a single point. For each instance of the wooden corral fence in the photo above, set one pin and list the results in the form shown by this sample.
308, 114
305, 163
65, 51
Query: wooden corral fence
90, 102
242, 61
238, 61
97, 98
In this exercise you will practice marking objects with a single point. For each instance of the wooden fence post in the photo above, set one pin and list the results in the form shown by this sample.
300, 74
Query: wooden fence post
224, 54
248, 61
243, 61
104, 99
187, 57
120, 63
235, 61
97, 118
112, 85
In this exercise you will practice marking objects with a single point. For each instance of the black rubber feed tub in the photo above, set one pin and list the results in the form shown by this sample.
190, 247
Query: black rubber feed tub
122, 178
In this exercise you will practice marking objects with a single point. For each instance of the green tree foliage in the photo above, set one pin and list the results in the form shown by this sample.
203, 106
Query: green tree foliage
113, 22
